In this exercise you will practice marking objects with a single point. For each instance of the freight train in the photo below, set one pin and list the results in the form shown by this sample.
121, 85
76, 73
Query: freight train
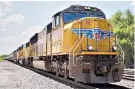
79, 43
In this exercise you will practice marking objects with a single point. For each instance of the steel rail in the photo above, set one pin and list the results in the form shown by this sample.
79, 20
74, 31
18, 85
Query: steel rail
129, 74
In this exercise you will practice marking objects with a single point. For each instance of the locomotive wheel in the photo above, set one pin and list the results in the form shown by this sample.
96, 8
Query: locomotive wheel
57, 69
18, 61
23, 62
31, 64
76, 80
66, 71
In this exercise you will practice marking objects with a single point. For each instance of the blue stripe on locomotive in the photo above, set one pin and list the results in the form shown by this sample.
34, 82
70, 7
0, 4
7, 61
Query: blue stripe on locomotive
91, 32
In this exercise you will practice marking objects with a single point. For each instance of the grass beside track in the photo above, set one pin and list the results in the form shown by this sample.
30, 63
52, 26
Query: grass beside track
1, 58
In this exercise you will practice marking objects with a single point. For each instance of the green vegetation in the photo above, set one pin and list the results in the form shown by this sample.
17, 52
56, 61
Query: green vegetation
123, 24
1, 58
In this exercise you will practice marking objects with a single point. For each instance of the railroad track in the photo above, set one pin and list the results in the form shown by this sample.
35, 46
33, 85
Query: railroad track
73, 84
129, 74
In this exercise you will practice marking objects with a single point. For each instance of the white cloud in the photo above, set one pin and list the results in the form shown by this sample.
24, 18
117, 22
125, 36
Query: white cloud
29, 32
32, 29
13, 19
15, 41
5, 6
23, 37
7, 20
133, 3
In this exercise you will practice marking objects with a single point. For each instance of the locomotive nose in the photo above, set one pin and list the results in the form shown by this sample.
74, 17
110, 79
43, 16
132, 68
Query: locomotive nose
97, 30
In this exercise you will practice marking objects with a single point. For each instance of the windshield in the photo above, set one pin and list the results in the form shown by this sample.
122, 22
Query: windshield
96, 14
68, 16
71, 16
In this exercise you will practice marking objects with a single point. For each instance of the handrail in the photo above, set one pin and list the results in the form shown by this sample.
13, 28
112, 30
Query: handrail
74, 43
77, 46
72, 47
119, 47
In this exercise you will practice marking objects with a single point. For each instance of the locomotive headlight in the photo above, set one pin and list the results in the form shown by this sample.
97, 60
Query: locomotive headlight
86, 7
90, 47
114, 47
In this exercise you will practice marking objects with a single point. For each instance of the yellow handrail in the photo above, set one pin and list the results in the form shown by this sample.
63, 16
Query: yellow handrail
76, 47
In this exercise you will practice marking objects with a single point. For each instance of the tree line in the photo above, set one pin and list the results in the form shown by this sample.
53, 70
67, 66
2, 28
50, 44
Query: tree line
123, 25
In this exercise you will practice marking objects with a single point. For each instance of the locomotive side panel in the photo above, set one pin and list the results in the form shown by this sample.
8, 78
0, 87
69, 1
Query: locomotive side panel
67, 40
56, 41
24, 50
33, 50
43, 49
42, 43
27, 52
19, 53
49, 39
34, 46
49, 44
30, 49
39, 44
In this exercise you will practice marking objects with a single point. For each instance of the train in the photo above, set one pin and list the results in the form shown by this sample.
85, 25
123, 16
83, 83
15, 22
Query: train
79, 43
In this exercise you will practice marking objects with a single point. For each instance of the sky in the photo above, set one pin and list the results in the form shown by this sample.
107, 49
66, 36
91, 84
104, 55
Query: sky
19, 20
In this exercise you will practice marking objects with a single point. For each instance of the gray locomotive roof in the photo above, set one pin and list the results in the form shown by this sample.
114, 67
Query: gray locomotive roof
70, 8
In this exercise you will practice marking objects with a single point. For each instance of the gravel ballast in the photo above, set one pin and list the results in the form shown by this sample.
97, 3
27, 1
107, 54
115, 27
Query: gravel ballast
16, 77
13, 76
125, 83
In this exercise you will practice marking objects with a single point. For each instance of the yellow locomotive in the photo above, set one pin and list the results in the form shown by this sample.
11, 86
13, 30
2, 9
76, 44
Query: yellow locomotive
79, 43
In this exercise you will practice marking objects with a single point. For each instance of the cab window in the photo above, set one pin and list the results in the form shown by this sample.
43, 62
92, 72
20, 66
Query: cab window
57, 21
71, 16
